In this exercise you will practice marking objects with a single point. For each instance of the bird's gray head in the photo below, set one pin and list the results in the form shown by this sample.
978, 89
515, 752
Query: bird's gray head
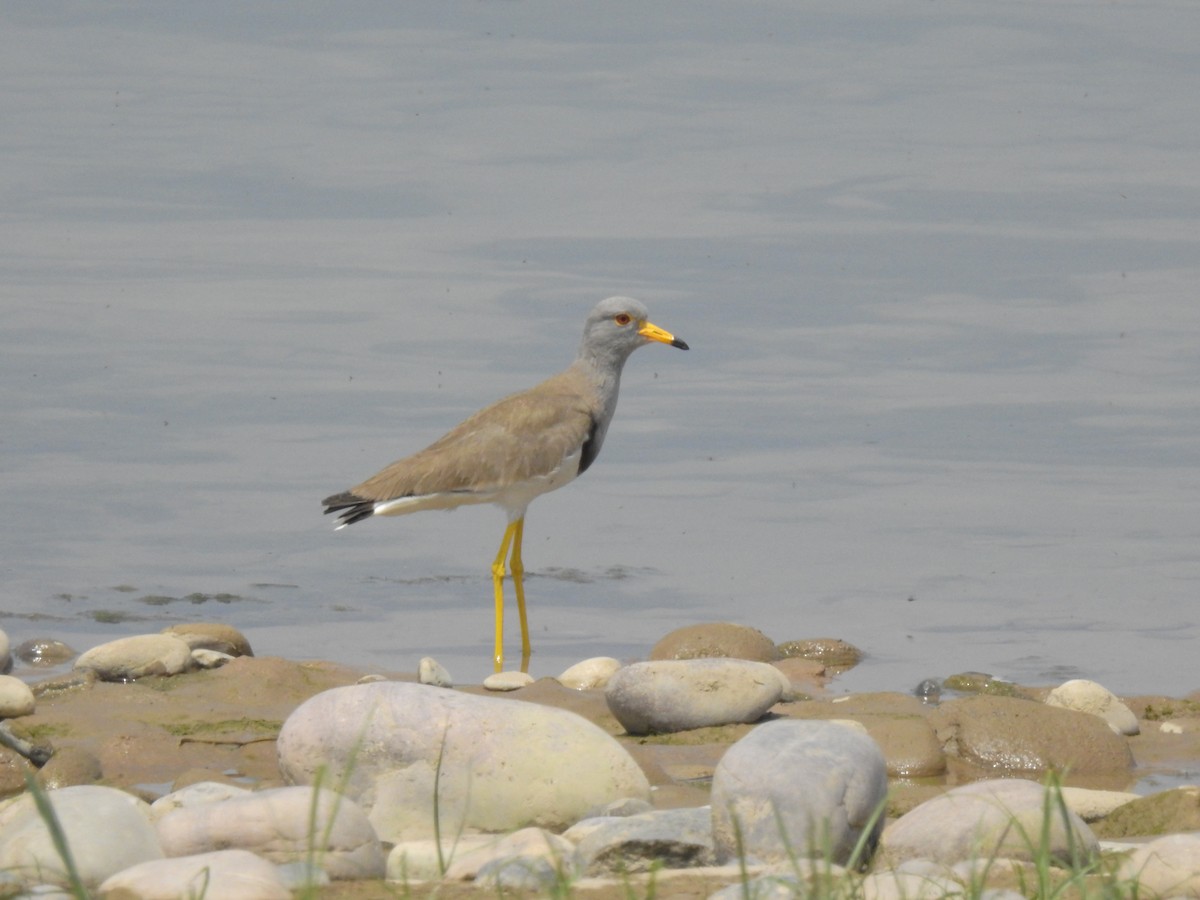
618, 326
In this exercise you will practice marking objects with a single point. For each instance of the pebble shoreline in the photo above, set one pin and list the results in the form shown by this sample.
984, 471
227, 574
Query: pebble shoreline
714, 768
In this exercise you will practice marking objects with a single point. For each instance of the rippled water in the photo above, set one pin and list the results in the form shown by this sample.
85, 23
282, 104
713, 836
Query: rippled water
937, 264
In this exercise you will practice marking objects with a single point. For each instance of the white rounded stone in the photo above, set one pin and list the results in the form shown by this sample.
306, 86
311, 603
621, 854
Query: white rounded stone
1165, 867
224, 874
210, 659
525, 844
427, 859
675, 695
430, 671
107, 830
990, 868
199, 794
16, 698
1095, 699
590, 673
507, 681
280, 825
891, 884
126, 659
1091, 805
1002, 817
497, 764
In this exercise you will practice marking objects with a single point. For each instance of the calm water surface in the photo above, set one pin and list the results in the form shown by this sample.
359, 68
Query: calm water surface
937, 263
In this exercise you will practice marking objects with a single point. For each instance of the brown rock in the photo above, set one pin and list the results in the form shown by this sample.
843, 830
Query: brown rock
76, 679
678, 763
807, 676
211, 636
43, 652
68, 766
905, 796
1163, 813
1161, 709
550, 692
1002, 735
898, 723
909, 745
147, 732
13, 769
715, 639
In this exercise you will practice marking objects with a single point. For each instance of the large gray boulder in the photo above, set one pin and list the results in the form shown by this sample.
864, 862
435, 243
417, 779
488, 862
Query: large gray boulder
676, 695
412, 754
798, 789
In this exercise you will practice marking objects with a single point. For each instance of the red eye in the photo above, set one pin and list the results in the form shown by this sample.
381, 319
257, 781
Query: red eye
622, 318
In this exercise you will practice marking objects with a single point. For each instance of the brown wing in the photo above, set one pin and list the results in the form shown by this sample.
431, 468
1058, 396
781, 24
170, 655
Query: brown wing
521, 437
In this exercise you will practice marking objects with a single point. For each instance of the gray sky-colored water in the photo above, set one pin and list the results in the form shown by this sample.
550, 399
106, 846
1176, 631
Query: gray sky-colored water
937, 263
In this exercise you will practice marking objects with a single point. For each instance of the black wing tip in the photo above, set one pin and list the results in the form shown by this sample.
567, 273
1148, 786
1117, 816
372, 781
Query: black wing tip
350, 509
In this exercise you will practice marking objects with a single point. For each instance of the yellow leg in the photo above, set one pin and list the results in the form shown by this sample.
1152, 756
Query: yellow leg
498, 586
518, 577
